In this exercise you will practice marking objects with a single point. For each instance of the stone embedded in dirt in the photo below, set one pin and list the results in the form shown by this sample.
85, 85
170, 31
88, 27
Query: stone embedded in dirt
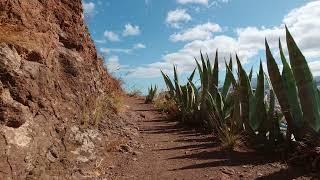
142, 115
125, 148
259, 174
227, 171
136, 153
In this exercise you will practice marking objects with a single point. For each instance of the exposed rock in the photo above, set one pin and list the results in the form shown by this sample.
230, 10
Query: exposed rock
50, 80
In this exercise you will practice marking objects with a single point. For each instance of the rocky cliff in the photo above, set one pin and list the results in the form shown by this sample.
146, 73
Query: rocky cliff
51, 82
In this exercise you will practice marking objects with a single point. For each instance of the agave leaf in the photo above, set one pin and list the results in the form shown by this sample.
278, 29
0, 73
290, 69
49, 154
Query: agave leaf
232, 78
204, 80
184, 95
191, 96
209, 67
215, 75
236, 113
245, 93
308, 92
279, 89
250, 74
169, 84
192, 75
200, 71
205, 71
175, 73
213, 105
273, 119
196, 94
177, 85
291, 90
257, 107
227, 81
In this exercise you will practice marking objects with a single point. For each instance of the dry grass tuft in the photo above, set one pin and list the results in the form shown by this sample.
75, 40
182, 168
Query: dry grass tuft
165, 104
104, 106
135, 93
228, 138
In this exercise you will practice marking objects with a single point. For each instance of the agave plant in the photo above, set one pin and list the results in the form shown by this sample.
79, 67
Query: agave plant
252, 114
185, 96
237, 108
152, 92
296, 91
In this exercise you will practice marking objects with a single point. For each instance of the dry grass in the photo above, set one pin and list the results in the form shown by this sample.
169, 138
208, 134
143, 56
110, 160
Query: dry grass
135, 93
229, 138
104, 106
165, 104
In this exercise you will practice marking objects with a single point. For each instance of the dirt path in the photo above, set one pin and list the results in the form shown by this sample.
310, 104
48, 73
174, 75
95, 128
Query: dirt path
169, 151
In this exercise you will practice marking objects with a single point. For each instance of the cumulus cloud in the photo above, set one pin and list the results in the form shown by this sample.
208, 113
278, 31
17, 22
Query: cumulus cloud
88, 8
176, 17
199, 32
131, 30
303, 23
111, 36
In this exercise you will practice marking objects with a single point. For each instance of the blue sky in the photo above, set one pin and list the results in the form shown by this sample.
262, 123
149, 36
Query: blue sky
139, 37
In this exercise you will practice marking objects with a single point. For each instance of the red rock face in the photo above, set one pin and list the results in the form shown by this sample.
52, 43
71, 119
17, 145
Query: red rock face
48, 60
50, 77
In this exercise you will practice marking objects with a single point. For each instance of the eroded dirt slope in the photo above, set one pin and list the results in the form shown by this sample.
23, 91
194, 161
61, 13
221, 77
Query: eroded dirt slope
51, 82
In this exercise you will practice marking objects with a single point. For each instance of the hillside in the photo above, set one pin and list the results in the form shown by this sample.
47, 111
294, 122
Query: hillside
52, 83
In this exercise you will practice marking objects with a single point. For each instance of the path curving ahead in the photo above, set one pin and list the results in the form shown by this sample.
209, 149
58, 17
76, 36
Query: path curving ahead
170, 151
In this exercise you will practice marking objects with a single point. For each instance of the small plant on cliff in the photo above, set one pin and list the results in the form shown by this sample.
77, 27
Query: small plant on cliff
152, 92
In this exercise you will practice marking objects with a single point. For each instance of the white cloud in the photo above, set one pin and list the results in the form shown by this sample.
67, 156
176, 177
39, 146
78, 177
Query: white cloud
88, 8
123, 50
204, 2
111, 36
115, 50
100, 41
131, 30
303, 23
199, 32
176, 17
139, 46
184, 58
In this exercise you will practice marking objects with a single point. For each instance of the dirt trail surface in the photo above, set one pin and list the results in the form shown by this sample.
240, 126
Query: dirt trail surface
167, 150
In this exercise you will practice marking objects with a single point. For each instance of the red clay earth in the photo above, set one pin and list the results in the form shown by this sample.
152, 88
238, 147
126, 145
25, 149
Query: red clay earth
168, 150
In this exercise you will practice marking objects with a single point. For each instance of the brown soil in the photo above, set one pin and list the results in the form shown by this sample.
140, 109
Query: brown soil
168, 150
